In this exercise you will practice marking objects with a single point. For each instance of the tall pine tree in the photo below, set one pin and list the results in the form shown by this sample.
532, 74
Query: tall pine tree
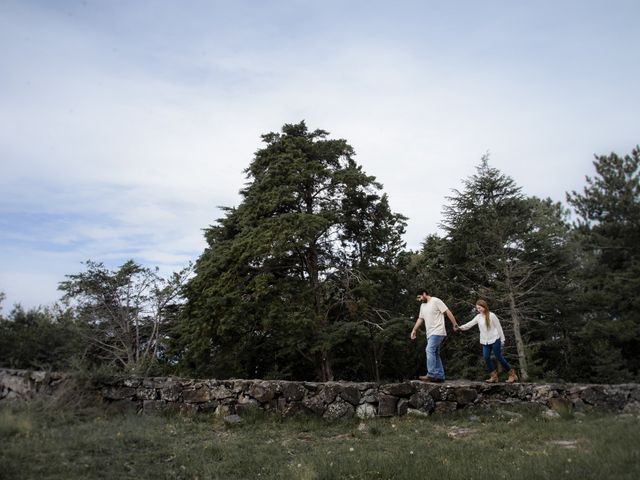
295, 273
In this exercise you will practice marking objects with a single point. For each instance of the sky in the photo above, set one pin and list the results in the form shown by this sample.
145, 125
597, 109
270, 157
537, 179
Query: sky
125, 125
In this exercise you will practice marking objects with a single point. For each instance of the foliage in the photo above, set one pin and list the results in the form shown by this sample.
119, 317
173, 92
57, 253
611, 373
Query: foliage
607, 232
300, 273
40, 338
125, 313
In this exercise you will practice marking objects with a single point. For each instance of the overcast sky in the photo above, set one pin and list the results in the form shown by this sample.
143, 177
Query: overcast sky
125, 124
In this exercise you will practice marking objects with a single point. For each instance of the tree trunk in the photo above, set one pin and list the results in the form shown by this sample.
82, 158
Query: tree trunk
522, 354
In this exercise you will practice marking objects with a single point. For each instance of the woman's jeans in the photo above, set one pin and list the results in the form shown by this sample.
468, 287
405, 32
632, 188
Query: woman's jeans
434, 362
496, 349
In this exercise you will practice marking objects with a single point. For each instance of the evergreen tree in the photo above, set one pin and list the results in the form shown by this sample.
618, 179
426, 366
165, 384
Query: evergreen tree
293, 277
607, 231
512, 251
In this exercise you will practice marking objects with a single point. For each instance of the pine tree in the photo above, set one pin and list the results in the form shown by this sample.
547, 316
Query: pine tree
289, 275
607, 231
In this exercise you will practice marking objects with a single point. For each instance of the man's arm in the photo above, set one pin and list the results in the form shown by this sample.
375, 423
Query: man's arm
415, 328
452, 319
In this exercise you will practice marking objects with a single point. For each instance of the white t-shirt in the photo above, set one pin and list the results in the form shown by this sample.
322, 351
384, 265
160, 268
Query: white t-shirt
487, 335
432, 313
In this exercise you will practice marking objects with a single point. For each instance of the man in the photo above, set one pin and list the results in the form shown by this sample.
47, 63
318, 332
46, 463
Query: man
432, 312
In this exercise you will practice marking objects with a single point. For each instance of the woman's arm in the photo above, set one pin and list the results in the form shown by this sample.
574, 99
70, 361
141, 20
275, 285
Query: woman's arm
470, 324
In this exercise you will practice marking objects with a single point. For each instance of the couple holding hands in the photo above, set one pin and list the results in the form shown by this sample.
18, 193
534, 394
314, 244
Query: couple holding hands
432, 312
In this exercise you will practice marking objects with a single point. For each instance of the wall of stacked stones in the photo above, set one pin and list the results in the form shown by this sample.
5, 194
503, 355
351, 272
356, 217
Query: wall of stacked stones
329, 400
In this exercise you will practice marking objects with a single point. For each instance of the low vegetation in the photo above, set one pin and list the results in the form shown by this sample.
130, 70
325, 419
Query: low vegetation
41, 443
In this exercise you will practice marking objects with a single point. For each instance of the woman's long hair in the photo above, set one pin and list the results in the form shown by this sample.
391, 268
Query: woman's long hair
487, 319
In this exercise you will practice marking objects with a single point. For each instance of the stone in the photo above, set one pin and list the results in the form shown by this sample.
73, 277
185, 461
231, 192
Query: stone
541, 393
329, 392
153, 406
292, 391
387, 405
446, 407
632, 407
220, 392
417, 413
403, 406
232, 419
315, 404
171, 392
398, 389
465, 396
550, 414
339, 409
146, 393
350, 393
422, 401
593, 395
118, 393
196, 395
263, 391
366, 410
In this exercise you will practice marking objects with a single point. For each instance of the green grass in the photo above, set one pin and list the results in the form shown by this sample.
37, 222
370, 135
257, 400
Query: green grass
40, 443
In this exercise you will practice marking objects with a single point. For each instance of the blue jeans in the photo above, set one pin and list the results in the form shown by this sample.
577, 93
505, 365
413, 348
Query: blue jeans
434, 362
495, 347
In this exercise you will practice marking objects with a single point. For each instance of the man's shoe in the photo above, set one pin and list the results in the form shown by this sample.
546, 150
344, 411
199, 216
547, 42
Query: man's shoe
427, 378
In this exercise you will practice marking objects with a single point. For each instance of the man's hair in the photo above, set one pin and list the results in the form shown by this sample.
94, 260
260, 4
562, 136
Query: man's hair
420, 291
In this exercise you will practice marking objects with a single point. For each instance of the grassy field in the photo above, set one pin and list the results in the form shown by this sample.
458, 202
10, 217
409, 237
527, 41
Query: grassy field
38, 442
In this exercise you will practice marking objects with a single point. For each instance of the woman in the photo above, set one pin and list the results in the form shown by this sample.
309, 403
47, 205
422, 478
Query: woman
492, 339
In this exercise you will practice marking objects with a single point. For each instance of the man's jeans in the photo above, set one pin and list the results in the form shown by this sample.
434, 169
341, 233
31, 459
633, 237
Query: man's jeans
434, 362
497, 352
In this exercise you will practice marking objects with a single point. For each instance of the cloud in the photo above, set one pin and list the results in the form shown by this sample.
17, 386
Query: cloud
125, 125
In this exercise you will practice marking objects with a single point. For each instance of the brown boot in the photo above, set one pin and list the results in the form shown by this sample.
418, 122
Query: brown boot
493, 378
512, 376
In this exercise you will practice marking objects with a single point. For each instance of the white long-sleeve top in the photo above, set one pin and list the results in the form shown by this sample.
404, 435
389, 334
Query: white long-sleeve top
487, 335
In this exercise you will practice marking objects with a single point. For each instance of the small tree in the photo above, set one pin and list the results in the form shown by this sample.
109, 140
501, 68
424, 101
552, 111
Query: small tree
126, 311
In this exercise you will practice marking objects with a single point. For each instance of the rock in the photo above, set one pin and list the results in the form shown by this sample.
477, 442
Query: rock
398, 389
339, 409
153, 406
263, 391
417, 413
118, 393
196, 395
232, 419
329, 392
146, 393
542, 393
422, 401
403, 406
632, 407
315, 404
366, 410
220, 392
550, 414
387, 405
593, 395
459, 432
465, 396
350, 393
446, 407
171, 392
292, 391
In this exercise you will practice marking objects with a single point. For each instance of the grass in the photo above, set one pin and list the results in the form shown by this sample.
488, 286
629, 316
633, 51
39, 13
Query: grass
40, 443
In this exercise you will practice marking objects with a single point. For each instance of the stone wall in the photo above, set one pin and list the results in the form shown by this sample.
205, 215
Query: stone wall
330, 399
